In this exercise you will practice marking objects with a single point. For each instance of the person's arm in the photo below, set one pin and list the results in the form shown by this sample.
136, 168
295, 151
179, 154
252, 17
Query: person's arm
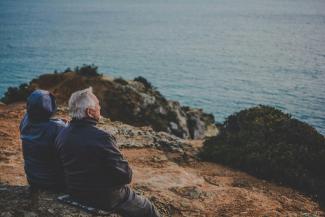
23, 123
116, 165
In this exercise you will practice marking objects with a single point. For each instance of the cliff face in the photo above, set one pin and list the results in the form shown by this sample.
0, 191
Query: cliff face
166, 170
133, 102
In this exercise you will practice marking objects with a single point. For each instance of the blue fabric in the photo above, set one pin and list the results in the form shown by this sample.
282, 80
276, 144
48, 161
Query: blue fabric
40, 105
38, 132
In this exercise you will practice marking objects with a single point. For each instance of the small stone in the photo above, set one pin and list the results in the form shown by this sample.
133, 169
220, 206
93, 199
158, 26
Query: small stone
173, 126
6, 214
30, 214
185, 205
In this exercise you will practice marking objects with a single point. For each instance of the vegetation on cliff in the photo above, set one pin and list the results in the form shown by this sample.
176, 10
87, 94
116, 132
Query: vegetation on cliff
271, 144
16, 94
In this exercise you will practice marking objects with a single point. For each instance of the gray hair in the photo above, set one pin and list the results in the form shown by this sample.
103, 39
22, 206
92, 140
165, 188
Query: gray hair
80, 101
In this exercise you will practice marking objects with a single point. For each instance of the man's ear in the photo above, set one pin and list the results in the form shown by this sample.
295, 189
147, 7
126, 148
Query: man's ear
89, 113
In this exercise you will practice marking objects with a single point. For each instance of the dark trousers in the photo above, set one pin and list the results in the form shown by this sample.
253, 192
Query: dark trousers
136, 206
122, 200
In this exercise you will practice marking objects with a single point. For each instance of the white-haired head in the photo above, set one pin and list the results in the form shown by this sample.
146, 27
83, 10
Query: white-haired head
80, 101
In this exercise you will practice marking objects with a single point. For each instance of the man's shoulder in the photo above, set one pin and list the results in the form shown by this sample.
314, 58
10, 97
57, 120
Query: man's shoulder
51, 124
103, 133
57, 123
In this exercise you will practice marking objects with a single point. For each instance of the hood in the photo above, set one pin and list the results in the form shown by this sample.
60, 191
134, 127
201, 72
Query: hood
40, 105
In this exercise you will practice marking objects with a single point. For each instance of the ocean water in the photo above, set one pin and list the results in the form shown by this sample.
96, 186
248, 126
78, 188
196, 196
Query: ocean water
219, 55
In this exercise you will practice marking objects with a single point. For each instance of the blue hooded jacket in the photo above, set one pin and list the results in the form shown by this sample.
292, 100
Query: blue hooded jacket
38, 132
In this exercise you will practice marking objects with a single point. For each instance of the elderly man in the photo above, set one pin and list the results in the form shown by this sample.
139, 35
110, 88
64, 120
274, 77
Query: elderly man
38, 132
96, 172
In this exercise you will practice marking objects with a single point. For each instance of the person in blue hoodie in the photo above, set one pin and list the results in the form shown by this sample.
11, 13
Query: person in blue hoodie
38, 131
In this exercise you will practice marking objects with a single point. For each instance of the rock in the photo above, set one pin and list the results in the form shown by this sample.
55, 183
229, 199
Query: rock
51, 211
142, 137
6, 214
30, 214
199, 123
241, 183
173, 126
190, 192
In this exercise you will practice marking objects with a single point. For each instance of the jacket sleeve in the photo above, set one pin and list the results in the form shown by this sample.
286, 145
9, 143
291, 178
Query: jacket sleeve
59, 125
114, 162
23, 123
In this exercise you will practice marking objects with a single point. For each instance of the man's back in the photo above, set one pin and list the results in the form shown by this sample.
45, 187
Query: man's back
38, 133
95, 170
93, 165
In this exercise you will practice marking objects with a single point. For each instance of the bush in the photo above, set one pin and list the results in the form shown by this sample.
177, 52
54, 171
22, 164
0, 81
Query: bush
270, 144
88, 71
67, 70
144, 81
120, 81
14, 94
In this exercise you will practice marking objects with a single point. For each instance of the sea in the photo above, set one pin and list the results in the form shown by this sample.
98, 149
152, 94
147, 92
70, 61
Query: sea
219, 55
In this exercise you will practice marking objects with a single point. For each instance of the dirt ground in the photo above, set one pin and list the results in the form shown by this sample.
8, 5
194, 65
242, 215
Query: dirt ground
177, 183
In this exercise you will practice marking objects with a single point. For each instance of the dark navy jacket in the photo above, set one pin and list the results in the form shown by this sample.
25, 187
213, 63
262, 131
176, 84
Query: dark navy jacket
38, 133
92, 163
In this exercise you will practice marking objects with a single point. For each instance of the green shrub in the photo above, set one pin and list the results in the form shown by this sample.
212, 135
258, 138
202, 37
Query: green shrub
121, 81
88, 71
67, 70
270, 144
15, 94
144, 81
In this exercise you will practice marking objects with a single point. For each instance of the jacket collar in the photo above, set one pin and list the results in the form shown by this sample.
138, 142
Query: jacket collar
84, 121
